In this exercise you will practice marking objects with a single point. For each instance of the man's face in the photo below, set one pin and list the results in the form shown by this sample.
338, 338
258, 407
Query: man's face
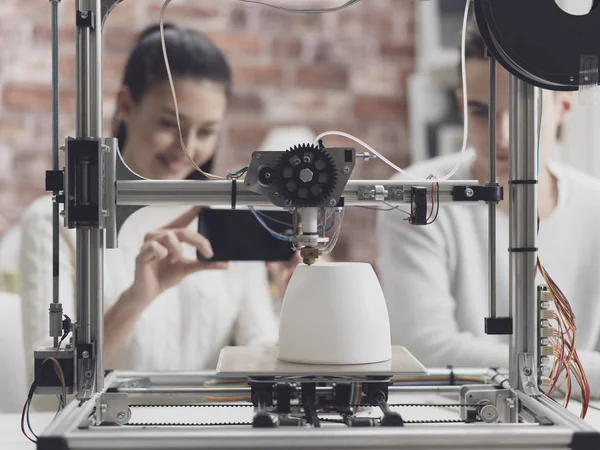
556, 106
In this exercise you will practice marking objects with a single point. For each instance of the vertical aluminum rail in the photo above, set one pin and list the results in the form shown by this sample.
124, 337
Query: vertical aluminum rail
492, 181
89, 242
56, 307
523, 231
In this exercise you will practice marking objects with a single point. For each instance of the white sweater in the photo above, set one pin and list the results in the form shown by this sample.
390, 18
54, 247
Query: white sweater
435, 277
183, 329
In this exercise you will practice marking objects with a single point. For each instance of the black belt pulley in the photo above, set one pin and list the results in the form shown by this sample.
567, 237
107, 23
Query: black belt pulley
540, 43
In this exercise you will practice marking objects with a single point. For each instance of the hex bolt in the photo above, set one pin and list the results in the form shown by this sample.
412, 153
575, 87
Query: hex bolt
306, 175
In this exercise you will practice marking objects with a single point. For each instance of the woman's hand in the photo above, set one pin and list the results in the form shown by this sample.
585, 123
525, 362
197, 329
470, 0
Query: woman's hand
161, 265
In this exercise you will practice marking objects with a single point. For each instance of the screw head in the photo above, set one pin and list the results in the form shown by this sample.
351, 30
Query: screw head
469, 192
258, 156
332, 202
276, 194
85, 354
88, 374
398, 193
366, 194
346, 169
306, 159
288, 203
121, 416
306, 175
267, 175
527, 371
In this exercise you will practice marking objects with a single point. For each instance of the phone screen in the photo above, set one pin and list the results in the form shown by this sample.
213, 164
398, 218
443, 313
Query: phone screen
236, 235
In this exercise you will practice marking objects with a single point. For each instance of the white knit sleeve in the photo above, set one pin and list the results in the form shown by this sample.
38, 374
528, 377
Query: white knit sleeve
415, 273
35, 275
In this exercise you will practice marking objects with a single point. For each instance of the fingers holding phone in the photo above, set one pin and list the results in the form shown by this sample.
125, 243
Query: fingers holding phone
161, 262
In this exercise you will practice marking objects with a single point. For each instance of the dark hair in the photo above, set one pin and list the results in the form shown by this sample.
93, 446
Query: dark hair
191, 54
475, 47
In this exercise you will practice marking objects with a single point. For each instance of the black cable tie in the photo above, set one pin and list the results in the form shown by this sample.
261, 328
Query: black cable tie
233, 193
523, 250
523, 182
452, 377
31, 390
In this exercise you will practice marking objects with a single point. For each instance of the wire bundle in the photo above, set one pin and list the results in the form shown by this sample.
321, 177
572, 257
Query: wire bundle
227, 383
355, 396
61, 398
567, 364
261, 219
336, 234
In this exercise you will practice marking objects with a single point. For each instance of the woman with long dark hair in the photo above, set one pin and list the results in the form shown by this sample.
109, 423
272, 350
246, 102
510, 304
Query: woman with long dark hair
164, 308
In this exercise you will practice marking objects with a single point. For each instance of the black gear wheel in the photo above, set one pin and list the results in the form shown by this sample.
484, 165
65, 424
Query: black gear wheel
307, 175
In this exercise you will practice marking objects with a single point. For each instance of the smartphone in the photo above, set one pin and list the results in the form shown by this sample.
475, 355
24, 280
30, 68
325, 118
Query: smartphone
237, 235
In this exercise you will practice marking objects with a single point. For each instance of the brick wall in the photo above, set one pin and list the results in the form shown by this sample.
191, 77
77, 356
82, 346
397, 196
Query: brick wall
343, 71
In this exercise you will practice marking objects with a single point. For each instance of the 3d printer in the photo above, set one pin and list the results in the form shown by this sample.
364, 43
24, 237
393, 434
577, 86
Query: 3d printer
289, 399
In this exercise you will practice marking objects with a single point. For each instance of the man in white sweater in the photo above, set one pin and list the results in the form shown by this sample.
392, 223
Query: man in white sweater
435, 277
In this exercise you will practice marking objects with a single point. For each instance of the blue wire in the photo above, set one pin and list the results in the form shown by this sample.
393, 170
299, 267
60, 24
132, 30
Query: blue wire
277, 236
272, 219
28, 422
330, 226
238, 173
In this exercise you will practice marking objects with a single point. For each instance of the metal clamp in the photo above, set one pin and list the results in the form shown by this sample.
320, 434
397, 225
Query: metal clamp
86, 19
379, 192
488, 193
134, 383
528, 375
114, 408
86, 371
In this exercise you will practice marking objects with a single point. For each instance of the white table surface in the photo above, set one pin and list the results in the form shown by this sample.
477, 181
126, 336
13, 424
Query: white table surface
12, 439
